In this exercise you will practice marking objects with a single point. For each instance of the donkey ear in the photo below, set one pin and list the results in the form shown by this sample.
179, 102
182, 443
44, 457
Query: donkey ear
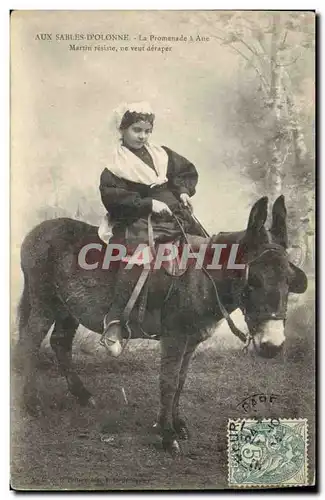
298, 281
279, 222
257, 218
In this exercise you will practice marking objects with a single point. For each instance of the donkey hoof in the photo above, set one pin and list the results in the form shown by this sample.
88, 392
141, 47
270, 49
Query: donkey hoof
156, 428
173, 448
33, 407
34, 411
84, 398
183, 433
92, 402
182, 430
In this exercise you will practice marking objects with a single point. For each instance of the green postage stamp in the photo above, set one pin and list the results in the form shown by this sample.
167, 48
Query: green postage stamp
267, 452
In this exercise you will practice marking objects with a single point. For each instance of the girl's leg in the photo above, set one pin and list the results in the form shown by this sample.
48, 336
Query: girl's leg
125, 283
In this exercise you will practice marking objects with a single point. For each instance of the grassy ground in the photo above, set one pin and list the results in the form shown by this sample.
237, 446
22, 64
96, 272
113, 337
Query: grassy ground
64, 449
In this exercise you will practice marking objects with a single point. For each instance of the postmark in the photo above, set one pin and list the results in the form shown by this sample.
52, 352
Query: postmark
258, 401
268, 452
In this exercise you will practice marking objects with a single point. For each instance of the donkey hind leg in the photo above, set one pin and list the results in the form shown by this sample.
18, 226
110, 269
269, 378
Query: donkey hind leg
31, 336
61, 342
172, 352
179, 423
24, 310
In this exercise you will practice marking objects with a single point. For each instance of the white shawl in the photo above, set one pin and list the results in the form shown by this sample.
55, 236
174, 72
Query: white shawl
127, 165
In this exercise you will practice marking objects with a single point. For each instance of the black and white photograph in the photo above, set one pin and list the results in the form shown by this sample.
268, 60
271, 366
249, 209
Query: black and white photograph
162, 199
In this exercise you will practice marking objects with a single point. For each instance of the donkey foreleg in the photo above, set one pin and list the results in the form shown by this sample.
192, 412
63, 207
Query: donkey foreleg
179, 423
172, 353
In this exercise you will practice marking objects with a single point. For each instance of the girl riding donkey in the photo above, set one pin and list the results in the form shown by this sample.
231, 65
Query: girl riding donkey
141, 179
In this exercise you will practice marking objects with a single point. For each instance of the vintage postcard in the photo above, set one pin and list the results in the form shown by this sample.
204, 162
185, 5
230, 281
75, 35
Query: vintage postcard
162, 250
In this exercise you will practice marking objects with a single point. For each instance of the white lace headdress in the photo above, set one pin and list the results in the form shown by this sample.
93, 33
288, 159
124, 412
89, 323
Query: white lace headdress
134, 107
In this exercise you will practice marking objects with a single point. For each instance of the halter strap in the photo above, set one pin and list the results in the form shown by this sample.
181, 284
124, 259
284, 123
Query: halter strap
273, 315
269, 248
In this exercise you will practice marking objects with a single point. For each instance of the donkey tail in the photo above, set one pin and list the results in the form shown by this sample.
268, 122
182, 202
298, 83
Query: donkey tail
24, 306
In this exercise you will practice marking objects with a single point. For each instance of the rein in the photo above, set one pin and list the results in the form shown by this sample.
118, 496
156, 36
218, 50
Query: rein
244, 337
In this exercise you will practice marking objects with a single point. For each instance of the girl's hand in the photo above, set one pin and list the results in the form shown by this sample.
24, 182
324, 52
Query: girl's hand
159, 207
186, 201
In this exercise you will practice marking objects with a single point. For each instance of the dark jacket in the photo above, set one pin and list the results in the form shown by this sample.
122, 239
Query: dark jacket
127, 201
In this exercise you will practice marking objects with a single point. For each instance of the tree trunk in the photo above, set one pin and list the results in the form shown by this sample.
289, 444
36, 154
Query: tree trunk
300, 156
274, 181
298, 140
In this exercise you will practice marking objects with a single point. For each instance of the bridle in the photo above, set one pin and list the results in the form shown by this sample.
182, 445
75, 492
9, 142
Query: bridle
248, 337
279, 314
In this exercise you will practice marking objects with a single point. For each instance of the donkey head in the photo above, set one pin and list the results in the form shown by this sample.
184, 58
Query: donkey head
270, 277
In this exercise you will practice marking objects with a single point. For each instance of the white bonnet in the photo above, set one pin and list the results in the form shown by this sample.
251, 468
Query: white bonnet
137, 107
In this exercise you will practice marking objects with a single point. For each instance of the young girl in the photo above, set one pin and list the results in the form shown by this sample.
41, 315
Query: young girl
141, 179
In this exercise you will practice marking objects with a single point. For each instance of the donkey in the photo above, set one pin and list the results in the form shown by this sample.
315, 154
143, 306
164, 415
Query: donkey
57, 291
